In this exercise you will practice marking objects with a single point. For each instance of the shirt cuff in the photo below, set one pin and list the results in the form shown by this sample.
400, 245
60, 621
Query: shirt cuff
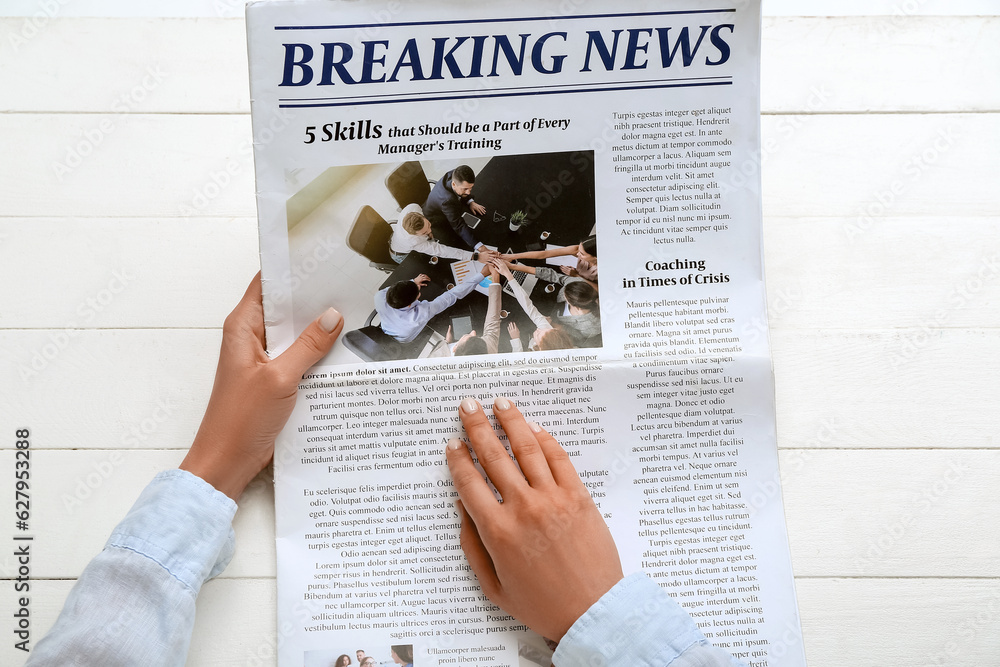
635, 622
183, 523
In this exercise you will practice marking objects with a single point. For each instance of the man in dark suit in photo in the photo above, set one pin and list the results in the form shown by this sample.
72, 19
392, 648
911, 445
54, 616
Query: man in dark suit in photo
448, 200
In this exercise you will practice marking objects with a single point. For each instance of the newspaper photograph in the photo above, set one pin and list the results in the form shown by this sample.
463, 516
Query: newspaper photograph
556, 202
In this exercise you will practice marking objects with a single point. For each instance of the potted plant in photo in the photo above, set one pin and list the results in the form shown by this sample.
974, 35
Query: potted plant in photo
518, 218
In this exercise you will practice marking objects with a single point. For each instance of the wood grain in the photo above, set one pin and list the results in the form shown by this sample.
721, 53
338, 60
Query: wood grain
879, 164
808, 65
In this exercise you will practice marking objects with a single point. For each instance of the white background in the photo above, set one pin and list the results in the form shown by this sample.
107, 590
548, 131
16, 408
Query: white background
881, 235
226, 8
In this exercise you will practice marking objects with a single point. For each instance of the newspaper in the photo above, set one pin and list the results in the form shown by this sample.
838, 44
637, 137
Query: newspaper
632, 126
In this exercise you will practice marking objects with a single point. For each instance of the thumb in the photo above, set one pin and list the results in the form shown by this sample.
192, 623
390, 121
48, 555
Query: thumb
312, 344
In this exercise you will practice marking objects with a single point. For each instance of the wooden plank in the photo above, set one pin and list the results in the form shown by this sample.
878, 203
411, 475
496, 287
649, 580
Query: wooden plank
918, 272
834, 389
844, 621
850, 512
860, 166
124, 273
95, 389
899, 63
86, 165
865, 167
910, 63
898, 389
881, 8
126, 65
78, 497
900, 621
881, 513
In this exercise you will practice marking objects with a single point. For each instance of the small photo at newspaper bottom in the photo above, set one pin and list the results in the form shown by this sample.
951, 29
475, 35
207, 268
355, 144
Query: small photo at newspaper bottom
386, 656
404, 251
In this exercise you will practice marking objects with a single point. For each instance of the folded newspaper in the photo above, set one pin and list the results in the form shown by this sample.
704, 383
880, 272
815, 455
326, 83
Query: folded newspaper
399, 147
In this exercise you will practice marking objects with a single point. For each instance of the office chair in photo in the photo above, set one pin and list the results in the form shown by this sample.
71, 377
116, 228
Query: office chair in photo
369, 237
370, 343
408, 184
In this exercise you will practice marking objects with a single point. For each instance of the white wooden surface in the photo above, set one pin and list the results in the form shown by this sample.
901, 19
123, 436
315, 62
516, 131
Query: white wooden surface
881, 209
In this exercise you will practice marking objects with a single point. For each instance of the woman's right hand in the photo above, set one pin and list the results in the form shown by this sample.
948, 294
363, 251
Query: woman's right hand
503, 269
544, 555
568, 270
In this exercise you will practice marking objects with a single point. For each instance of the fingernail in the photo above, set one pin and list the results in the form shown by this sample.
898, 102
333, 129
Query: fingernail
331, 318
501, 403
535, 428
469, 406
455, 444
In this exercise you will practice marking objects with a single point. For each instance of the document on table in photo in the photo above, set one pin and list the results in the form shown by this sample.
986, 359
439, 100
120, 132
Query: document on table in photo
628, 132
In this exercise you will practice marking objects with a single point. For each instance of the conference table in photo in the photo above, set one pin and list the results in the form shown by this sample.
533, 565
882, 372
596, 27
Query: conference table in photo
556, 191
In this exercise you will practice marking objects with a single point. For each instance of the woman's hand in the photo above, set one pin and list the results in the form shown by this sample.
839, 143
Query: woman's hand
502, 269
253, 395
568, 270
544, 555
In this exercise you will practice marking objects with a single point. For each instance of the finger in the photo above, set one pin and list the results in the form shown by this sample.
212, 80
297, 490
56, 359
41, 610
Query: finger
469, 483
312, 344
560, 465
492, 455
249, 312
530, 457
477, 554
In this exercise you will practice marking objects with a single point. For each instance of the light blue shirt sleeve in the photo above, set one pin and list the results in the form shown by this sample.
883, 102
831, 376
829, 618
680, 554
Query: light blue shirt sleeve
637, 623
134, 603
451, 297
404, 324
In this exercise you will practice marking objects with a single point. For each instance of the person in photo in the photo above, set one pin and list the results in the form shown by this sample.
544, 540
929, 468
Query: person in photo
546, 336
414, 232
403, 315
578, 312
449, 199
586, 262
402, 654
489, 342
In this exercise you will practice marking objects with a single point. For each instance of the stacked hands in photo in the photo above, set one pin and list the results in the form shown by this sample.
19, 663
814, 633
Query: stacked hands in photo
574, 323
544, 554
